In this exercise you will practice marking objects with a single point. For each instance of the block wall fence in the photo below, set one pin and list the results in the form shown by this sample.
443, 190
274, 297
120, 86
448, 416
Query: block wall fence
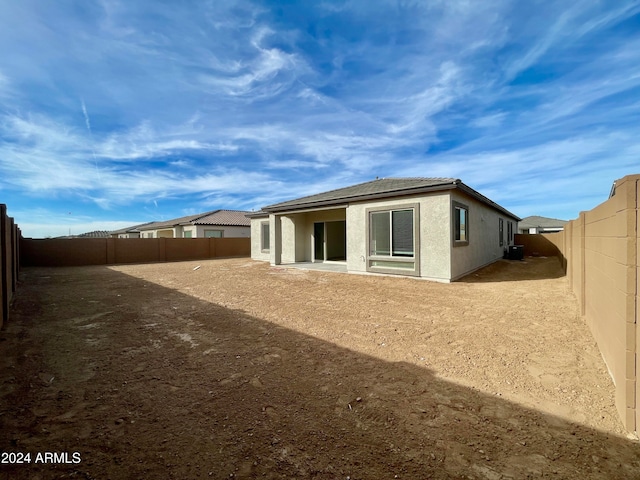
9, 261
600, 252
71, 252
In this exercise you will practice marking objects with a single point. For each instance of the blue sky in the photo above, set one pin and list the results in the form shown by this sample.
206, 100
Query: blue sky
120, 112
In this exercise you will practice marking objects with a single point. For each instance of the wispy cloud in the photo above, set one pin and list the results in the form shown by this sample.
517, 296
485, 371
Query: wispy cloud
111, 106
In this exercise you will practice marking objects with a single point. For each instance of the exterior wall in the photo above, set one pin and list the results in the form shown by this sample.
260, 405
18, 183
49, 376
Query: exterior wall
438, 260
288, 235
434, 241
197, 231
484, 239
256, 239
165, 233
601, 251
191, 229
228, 231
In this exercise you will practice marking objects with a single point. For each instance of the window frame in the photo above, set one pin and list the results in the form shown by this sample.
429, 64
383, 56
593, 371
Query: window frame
206, 230
501, 231
394, 264
455, 207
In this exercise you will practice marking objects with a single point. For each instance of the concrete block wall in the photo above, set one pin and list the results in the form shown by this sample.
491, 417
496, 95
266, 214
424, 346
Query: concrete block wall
601, 250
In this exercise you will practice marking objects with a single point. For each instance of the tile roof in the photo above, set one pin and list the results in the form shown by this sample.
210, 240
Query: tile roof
94, 234
134, 228
381, 188
214, 217
544, 222
225, 217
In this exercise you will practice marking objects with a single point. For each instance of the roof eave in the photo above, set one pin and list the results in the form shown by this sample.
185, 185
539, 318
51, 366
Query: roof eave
478, 196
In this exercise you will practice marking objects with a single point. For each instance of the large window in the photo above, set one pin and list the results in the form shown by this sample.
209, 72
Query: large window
392, 239
213, 234
461, 224
510, 231
265, 242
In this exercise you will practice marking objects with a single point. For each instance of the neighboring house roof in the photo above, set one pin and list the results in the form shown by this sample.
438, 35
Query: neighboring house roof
258, 214
541, 222
227, 218
94, 234
381, 188
132, 229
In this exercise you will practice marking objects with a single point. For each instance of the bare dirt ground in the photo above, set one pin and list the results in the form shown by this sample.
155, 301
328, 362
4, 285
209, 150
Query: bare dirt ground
240, 370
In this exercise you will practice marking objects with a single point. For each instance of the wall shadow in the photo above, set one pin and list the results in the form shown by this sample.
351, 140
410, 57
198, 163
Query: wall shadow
148, 382
530, 268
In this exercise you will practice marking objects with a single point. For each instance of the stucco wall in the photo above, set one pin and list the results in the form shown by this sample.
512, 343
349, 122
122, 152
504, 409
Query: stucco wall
434, 233
256, 239
288, 232
484, 237
228, 231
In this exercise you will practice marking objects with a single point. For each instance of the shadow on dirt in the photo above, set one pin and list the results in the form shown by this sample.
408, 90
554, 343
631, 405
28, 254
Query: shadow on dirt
147, 382
530, 268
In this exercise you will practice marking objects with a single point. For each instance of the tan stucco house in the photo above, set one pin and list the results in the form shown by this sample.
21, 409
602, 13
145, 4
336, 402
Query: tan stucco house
214, 224
435, 228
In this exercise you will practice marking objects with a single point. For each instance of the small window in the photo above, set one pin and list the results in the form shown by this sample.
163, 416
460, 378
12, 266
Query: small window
187, 234
501, 231
265, 241
461, 224
213, 234
510, 232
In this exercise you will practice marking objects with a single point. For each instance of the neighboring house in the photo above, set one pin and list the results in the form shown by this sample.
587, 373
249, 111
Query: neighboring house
128, 232
214, 224
434, 228
537, 224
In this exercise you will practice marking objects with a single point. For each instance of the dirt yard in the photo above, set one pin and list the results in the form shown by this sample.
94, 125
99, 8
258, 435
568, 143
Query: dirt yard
239, 370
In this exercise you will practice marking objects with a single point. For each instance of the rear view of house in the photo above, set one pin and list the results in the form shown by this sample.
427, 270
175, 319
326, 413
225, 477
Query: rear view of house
435, 228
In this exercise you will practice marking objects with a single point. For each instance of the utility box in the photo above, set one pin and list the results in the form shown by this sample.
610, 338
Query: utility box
516, 252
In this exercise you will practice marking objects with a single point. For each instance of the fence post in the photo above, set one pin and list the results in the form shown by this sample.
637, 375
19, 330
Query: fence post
14, 262
583, 273
4, 266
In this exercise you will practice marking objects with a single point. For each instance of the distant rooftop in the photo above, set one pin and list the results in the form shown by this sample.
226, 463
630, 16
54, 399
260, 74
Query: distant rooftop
134, 228
215, 217
535, 221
